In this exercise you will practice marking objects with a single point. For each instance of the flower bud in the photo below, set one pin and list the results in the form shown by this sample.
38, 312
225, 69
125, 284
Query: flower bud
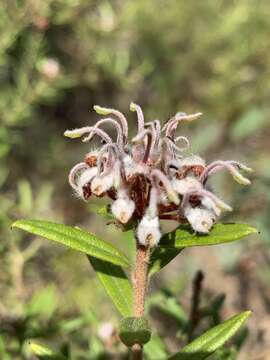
240, 178
102, 110
201, 220
245, 168
132, 106
148, 231
122, 209
101, 184
73, 134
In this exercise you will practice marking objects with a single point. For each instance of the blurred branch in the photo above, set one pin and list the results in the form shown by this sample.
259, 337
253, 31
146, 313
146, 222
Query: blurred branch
195, 314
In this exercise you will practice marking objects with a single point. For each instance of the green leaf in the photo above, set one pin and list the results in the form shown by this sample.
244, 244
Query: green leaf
161, 257
206, 344
224, 354
74, 238
168, 304
252, 121
116, 283
134, 330
44, 353
43, 303
155, 349
25, 197
221, 233
103, 211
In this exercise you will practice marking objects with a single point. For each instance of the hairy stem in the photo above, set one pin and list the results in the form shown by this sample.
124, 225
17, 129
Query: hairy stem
140, 283
140, 279
137, 352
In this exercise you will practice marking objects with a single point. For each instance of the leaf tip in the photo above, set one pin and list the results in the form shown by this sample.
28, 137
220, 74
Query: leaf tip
37, 349
247, 313
253, 230
15, 224
243, 316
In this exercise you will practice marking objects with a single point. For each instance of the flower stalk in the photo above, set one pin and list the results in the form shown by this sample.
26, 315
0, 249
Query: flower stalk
140, 287
149, 178
140, 279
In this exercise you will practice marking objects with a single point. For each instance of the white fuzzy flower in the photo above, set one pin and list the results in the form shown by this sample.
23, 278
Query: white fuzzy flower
86, 177
186, 185
213, 203
192, 161
148, 232
101, 184
128, 165
201, 220
210, 204
117, 175
123, 208
148, 177
81, 177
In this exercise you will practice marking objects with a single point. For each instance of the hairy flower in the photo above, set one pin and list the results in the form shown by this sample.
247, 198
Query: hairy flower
149, 178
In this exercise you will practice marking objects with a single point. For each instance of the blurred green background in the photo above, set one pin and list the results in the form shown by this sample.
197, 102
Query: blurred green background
60, 57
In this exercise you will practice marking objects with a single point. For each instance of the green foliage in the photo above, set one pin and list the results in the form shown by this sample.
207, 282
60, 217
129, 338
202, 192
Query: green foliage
173, 243
116, 284
221, 233
155, 349
74, 238
210, 341
43, 303
167, 303
106, 261
134, 330
44, 353
249, 123
207, 56
161, 257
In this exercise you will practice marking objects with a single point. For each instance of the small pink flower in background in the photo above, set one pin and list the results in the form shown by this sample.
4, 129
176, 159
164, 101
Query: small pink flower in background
50, 68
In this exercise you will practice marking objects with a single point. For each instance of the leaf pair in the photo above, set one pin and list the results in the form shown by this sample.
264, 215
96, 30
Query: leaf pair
170, 245
107, 260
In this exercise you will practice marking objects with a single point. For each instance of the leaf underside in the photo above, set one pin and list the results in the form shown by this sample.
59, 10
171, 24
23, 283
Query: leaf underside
116, 284
74, 238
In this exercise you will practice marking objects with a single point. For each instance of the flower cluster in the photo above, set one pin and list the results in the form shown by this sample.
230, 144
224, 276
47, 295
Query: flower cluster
149, 178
